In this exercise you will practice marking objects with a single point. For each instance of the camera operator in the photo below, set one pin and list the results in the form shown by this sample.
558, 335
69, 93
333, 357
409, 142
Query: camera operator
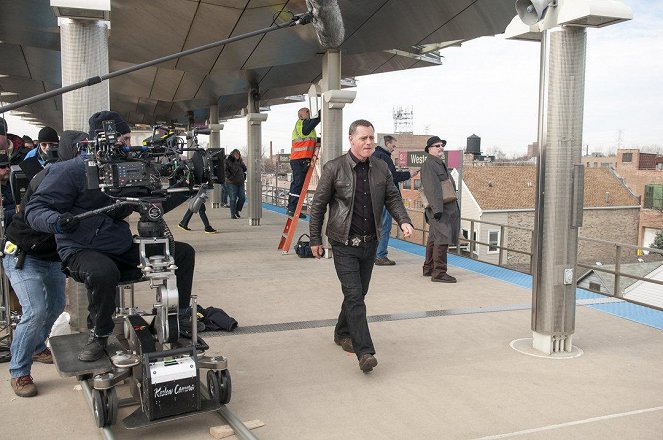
98, 250
32, 265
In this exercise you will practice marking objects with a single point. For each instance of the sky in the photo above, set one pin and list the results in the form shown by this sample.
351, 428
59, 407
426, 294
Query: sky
489, 87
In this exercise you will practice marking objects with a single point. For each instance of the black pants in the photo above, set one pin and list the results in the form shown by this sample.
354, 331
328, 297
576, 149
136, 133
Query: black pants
354, 266
101, 273
203, 216
299, 169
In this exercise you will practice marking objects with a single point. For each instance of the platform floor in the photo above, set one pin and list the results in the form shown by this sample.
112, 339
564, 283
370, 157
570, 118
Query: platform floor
446, 369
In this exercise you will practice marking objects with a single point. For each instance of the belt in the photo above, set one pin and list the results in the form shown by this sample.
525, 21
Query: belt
356, 240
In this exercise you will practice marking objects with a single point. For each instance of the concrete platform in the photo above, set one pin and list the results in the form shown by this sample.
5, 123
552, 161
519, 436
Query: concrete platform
446, 374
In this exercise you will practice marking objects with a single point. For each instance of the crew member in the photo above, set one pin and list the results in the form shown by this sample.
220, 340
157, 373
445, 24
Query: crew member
99, 250
304, 141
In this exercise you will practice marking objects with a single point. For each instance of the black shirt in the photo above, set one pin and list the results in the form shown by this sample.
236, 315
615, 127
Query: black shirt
363, 220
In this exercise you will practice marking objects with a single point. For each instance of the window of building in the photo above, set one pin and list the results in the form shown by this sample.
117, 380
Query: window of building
653, 197
407, 184
627, 157
494, 241
417, 184
596, 287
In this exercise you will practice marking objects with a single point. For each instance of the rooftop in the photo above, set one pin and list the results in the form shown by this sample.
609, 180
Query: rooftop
446, 368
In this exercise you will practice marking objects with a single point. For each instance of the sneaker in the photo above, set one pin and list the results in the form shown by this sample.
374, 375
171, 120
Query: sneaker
302, 215
237, 215
290, 213
210, 230
45, 357
384, 262
24, 386
94, 350
444, 278
344, 343
367, 362
234, 217
181, 226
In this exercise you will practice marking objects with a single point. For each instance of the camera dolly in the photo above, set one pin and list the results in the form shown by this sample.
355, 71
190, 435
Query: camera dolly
147, 350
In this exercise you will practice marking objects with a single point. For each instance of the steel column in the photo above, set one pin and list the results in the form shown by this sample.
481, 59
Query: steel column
254, 160
561, 100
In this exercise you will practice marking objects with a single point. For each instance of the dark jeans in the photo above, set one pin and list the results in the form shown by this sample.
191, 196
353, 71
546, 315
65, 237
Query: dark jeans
237, 197
354, 266
188, 214
224, 194
299, 169
101, 273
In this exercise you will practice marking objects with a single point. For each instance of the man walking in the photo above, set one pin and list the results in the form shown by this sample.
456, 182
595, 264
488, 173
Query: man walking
356, 187
399, 176
304, 140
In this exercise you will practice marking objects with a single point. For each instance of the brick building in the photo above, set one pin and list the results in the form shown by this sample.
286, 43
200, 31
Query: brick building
643, 174
505, 195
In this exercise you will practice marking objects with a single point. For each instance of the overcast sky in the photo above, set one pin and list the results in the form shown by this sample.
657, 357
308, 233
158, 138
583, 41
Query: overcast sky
489, 87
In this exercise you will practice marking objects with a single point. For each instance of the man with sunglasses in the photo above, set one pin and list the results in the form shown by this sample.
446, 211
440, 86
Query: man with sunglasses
47, 139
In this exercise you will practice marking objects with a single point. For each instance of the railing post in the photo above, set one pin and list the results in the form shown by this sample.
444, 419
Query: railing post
618, 257
471, 237
501, 244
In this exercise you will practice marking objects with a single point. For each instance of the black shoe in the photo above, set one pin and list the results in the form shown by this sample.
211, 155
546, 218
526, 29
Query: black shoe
234, 216
181, 226
344, 343
94, 350
444, 278
384, 262
210, 230
367, 362
290, 213
237, 215
302, 215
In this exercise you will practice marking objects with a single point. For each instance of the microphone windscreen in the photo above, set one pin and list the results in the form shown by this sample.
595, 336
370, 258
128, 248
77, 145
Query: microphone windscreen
328, 22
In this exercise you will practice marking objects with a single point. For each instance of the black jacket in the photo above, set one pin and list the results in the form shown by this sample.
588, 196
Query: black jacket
235, 170
399, 176
336, 188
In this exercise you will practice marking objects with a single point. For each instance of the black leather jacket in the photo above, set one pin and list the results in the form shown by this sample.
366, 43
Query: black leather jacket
336, 188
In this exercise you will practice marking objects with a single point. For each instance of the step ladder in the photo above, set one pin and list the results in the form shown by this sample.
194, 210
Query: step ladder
291, 222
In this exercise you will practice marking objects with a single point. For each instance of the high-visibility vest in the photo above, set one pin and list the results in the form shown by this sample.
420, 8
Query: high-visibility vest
303, 145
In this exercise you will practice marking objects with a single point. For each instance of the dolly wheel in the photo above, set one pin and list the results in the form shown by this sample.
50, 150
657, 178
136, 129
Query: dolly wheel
112, 404
99, 408
219, 385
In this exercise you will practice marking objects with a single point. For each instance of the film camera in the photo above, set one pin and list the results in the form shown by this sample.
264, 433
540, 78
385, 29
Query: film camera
121, 170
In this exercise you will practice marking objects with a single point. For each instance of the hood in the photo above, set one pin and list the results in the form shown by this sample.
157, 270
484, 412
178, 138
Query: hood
67, 148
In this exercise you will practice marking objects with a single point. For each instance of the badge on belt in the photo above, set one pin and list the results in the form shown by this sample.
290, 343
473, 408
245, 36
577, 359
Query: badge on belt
356, 241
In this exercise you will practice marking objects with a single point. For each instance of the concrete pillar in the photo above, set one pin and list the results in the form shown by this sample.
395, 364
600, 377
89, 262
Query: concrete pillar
332, 118
559, 200
254, 160
215, 142
84, 53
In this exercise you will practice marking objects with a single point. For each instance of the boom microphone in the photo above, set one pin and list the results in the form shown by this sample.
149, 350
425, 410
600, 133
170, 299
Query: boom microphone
328, 22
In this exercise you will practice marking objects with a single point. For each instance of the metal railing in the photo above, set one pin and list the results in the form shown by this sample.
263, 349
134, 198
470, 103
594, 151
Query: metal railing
621, 253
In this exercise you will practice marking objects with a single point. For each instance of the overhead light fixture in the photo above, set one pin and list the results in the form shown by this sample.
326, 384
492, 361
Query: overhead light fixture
82, 9
3, 93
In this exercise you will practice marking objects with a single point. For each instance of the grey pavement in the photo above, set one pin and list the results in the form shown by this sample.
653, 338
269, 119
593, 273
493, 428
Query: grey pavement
440, 377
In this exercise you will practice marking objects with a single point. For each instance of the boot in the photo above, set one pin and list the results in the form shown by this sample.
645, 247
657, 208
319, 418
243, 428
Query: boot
428, 262
95, 348
439, 273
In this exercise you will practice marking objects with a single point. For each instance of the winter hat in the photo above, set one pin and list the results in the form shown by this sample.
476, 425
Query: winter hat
3, 126
96, 123
433, 140
47, 134
69, 147
27, 139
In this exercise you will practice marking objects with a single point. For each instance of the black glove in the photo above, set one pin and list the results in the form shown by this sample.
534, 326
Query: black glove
437, 215
67, 223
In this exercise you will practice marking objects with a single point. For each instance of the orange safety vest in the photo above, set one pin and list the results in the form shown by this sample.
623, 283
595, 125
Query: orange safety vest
303, 145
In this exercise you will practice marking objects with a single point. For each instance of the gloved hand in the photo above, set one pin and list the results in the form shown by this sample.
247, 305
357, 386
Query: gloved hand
437, 215
67, 223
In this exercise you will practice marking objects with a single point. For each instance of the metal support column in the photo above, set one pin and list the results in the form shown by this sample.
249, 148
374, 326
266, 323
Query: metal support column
559, 188
215, 142
84, 53
254, 161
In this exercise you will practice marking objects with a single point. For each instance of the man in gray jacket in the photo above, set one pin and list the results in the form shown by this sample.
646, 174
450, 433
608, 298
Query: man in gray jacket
356, 187
443, 218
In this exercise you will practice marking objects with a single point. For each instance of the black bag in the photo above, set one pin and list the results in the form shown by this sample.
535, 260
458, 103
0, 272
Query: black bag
303, 247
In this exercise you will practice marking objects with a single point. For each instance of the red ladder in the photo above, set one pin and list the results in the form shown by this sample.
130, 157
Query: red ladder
291, 222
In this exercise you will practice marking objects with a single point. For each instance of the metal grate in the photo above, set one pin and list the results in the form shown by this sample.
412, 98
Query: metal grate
319, 323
